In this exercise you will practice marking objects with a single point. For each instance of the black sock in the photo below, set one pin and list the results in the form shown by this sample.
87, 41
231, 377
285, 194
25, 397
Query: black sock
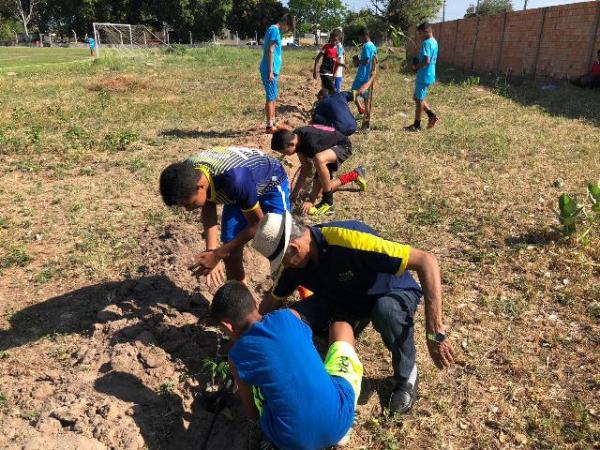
327, 198
429, 113
417, 124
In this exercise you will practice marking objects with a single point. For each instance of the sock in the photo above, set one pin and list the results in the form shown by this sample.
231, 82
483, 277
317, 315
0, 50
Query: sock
417, 124
327, 198
348, 177
270, 123
429, 113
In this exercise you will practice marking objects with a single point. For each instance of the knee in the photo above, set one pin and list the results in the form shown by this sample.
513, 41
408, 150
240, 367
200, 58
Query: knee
383, 313
319, 160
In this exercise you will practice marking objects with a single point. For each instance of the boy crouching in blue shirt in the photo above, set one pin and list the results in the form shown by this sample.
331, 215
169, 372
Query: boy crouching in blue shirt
299, 402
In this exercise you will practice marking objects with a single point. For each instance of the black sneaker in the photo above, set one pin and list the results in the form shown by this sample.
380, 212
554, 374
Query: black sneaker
412, 128
403, 397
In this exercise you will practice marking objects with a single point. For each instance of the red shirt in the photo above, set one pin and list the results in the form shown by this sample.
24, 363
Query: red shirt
595, 68
330, 55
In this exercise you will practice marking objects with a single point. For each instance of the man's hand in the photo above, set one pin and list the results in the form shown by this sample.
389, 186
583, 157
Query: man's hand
306, 207
205, 262
271, 76
216, 277
441, 353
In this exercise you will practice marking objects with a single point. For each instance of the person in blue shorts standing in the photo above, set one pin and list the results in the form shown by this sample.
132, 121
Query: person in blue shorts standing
300, 402
425, 68
92, 43
246, 181
270, 66
365, 63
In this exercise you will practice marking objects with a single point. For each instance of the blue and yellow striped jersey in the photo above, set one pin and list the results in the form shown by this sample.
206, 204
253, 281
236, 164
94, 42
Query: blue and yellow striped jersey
356, 267
239, 175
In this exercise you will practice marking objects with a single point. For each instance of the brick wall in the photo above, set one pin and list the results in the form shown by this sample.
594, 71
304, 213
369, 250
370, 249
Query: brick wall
555, 42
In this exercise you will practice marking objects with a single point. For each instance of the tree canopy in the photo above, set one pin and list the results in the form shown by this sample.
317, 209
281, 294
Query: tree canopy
322, 14
489, 7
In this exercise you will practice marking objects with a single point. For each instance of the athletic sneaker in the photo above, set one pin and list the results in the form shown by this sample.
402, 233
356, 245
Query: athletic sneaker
361, 181
432, 121
412, 128
404, 396
361, 110
321, 209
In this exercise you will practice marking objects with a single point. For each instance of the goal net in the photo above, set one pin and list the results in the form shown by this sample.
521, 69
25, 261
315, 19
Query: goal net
126, 40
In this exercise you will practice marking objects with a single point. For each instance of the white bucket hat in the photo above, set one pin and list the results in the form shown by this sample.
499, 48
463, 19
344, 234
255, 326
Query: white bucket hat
272, 237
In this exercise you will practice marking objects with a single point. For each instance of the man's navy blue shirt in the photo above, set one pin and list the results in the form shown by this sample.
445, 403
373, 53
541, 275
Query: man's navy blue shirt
333, 111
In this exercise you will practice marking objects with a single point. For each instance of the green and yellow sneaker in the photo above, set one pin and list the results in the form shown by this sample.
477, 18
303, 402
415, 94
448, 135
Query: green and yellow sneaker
361, 180
320, 209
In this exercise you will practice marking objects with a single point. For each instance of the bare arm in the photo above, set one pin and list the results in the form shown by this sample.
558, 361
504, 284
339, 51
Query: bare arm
271, 58
317, 58
245, 394
209, 222
428, 270
269, 304
305, 171
422, 64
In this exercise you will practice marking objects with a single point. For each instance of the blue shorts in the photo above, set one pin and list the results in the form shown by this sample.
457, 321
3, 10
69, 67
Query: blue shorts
421, 90
338, 84
356, 86
233, 220
270, 86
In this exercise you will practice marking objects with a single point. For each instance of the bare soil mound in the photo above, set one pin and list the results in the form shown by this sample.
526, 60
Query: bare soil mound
128, 370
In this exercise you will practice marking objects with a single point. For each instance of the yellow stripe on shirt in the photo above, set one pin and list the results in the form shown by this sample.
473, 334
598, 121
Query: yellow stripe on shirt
359, 240
252, 209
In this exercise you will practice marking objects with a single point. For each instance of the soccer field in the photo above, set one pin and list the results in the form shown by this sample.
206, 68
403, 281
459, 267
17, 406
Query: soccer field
103, 329
18, 58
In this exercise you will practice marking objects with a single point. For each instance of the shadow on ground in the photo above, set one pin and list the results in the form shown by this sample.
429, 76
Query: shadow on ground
209, 134
557, 98
126, 320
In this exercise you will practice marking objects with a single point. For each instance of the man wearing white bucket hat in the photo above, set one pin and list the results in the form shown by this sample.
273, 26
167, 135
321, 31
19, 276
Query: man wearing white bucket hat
357, 276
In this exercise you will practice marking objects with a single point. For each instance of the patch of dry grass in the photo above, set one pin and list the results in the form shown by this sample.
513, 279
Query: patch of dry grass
79, 184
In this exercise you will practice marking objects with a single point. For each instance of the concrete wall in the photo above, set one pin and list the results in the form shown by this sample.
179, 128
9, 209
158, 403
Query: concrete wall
555, 42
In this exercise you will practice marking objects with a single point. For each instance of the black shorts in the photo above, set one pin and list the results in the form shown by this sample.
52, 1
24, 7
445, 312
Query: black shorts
327, 82
342, 153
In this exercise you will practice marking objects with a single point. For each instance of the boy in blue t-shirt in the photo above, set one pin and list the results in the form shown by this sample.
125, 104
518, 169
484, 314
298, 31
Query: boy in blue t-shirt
425, 67
365, 68
270, 65
92, 43
300, 402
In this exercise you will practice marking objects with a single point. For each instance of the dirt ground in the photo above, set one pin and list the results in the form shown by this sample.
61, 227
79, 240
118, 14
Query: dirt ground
104, 332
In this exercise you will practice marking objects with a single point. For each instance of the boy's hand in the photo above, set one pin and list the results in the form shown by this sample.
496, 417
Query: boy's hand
216, 277
306, 207
205, 262
271, 76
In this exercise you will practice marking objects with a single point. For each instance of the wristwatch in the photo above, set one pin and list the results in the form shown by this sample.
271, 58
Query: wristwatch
437, 337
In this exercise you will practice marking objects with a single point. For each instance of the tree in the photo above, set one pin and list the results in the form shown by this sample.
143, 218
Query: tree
406, 13
364, 18
318, 14
24, 11
489, 7
254, 16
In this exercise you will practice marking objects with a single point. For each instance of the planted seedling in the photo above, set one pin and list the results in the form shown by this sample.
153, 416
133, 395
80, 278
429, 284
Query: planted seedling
594, 194
570, 211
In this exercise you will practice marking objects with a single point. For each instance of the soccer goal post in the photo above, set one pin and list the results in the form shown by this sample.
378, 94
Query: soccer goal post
125, 39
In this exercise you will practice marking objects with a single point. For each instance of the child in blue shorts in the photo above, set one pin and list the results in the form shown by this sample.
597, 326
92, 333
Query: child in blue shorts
270, 65
300, 402
365, 65
246, 181
424, 65
92, 43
